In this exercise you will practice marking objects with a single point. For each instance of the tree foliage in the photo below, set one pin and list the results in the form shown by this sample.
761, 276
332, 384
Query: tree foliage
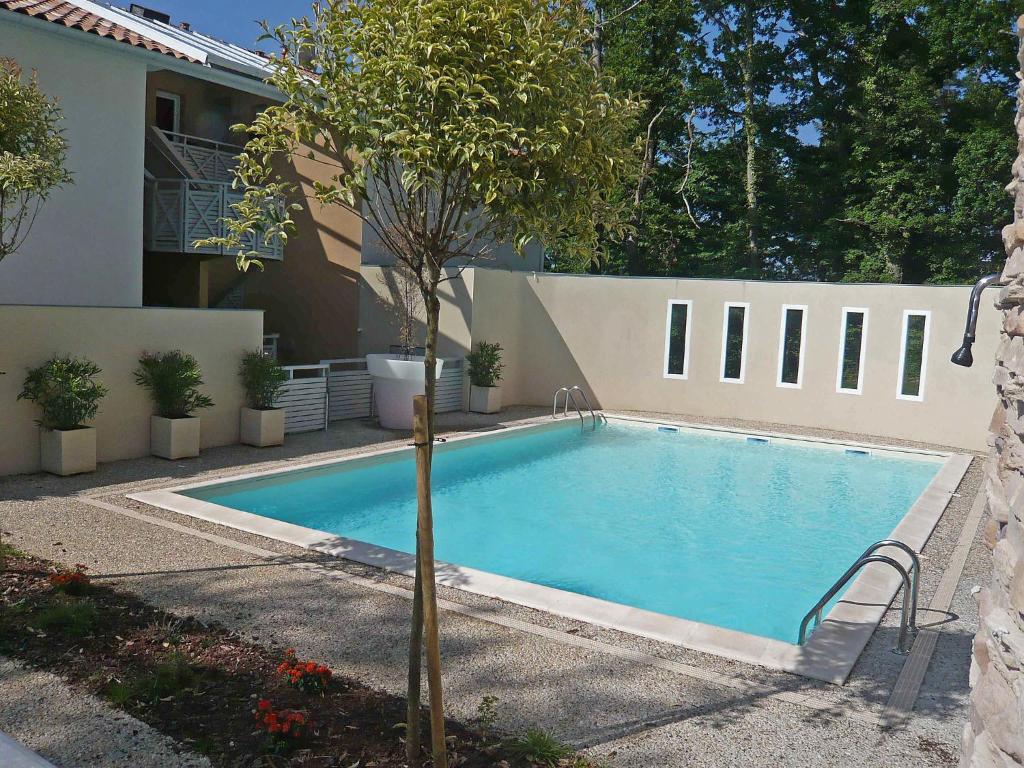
32, 154
877, 137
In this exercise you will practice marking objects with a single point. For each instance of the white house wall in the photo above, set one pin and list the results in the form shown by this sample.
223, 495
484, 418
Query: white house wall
86, 246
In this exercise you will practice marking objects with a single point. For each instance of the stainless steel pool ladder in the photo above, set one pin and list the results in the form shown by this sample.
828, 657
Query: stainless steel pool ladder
911, 582
571, 396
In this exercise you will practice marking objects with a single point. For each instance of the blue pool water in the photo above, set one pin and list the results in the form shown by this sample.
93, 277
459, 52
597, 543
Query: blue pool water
706, 527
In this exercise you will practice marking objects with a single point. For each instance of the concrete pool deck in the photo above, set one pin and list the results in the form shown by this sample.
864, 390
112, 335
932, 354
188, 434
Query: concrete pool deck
628, 701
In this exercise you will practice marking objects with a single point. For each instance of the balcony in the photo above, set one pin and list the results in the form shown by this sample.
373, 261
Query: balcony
180, 211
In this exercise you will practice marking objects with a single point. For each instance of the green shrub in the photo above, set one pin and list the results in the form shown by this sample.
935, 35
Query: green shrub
69, 616
262, 379
173, 380
65, 390
538, 748
485, 365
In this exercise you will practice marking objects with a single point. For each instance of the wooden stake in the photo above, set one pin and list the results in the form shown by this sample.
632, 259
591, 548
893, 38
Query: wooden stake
425, 545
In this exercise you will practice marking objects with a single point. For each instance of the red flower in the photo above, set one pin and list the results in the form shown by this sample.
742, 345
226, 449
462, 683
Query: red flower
263, 705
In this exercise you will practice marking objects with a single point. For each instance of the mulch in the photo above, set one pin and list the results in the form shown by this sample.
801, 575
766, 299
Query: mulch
213, 712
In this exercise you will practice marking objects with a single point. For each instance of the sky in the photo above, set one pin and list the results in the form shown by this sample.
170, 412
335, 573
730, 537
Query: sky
232, 20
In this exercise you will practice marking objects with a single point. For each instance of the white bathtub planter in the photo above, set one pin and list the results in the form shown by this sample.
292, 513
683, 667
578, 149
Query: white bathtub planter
67, 393
396, 380
261, 423
484, 370
173, 380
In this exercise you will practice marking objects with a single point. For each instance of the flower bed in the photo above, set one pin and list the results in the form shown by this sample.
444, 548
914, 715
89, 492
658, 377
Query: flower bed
211, 691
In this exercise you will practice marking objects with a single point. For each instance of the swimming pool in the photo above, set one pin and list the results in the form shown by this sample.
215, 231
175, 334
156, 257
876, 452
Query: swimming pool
716, 528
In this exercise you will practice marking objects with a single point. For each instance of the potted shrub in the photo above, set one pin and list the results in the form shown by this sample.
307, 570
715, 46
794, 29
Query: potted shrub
261, 423
67, 393
485, 368
173, 380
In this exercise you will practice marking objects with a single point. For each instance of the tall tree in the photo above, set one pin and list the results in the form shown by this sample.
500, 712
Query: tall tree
457, 124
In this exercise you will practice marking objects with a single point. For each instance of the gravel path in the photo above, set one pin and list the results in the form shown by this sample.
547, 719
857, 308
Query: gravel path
70, 729
571, 679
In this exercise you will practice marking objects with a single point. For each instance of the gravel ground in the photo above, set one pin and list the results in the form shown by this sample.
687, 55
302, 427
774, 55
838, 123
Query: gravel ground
627, 711
69, 728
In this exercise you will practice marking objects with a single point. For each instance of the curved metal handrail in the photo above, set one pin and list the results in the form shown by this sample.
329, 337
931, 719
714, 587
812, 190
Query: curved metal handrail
569, 395
565, 411
915, 571
815, 612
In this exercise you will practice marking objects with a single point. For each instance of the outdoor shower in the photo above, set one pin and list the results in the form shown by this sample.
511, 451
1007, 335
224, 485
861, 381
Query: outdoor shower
963, 355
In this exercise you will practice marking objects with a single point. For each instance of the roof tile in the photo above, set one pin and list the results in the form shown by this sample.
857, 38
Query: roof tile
74, 17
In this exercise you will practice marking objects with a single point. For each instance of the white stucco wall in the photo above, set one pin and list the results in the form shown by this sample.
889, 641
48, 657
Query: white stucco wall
86, 245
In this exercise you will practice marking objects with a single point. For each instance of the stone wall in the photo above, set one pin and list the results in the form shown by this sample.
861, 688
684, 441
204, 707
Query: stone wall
994, 736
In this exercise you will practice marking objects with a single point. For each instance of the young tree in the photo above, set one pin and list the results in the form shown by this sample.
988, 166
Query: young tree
32, 154
457, 124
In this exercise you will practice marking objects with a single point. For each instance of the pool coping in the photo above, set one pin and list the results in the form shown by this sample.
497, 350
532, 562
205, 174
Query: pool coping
828, 655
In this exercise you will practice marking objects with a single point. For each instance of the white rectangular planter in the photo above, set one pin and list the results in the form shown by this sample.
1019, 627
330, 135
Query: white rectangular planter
68, 451
484, 399
262, 428
174, 438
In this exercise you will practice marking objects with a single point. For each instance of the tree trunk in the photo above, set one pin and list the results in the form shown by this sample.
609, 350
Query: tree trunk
412, 717
423, 422
750, 134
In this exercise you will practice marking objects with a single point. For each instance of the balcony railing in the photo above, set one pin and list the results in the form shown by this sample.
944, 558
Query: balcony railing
204, 159
182, 211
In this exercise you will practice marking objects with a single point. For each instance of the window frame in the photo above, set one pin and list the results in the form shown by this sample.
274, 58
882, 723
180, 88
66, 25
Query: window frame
725, 339
847, 311
782, 346
927, 315
688, 303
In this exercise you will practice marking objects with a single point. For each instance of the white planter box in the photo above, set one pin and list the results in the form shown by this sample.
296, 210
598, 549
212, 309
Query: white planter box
262, 428
174, 438
396, 380
68, 451
484, 399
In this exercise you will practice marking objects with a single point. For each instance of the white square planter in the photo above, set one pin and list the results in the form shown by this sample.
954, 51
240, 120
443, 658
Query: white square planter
262, 428
174, 438
484, 399
68, 451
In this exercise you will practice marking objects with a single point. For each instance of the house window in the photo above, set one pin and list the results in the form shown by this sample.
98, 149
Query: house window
168, 112
852, 343
791, 346
913, 355
734, 341
677, 339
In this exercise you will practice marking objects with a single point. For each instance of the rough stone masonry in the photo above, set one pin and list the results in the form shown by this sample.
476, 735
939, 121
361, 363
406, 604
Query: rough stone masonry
994, 735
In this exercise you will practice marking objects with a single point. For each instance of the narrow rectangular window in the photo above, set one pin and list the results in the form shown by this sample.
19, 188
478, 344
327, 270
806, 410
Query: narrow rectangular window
852, 345
913, 355
791, 346
677, 339
734, 341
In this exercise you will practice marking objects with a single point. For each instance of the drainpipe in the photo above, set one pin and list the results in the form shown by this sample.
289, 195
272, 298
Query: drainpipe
963, 355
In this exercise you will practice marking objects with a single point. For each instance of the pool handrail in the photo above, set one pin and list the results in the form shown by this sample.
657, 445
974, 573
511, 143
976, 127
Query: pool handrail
867, 559
570, 396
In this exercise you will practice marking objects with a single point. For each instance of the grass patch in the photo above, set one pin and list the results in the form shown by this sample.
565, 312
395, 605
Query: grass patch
168, 678
6, 550
69, 616
538, 748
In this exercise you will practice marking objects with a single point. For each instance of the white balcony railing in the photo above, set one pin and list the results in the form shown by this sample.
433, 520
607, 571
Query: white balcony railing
182, 211
205, 159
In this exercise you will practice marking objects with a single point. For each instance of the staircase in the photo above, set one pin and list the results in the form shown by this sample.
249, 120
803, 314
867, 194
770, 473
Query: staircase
194, 157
